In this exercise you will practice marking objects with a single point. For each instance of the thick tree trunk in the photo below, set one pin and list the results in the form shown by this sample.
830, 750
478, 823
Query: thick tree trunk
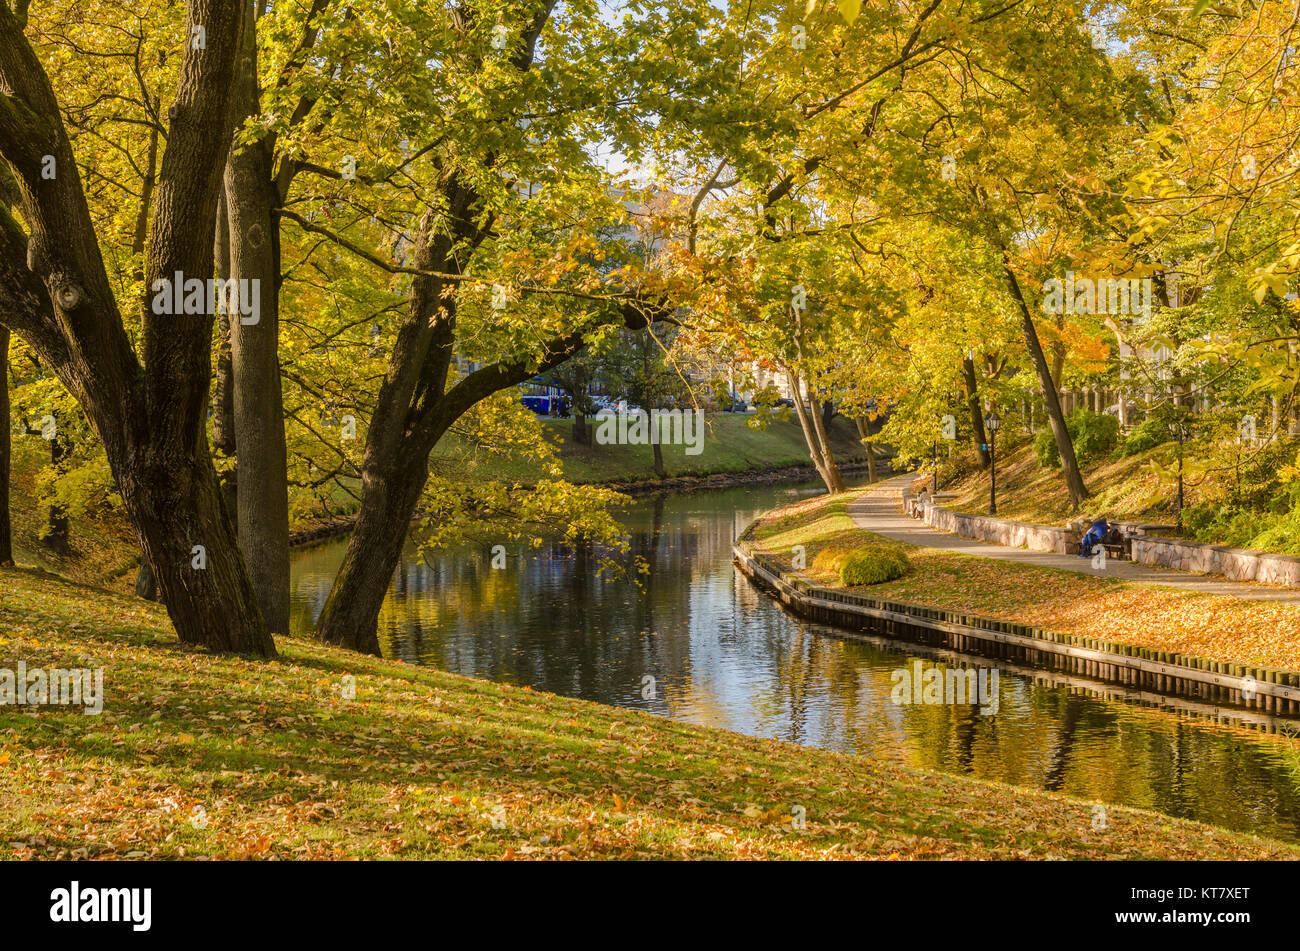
263, 493
978, 436
581, 431
660, 471
389, 497
149, 413
175, 503
1065, 446
6, 424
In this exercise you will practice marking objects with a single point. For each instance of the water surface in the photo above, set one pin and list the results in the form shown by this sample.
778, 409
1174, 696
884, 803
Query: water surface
722, 654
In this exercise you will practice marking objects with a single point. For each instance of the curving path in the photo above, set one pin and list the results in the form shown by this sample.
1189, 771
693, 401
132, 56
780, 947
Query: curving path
880, 511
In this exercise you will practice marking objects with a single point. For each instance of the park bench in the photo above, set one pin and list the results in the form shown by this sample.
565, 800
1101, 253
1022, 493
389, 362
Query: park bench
1121, 550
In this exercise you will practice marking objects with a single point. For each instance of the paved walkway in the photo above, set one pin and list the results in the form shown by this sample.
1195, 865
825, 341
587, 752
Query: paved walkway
880, 512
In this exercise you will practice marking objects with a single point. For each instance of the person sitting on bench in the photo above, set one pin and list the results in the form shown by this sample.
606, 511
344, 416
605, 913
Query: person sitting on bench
918, 506
1094, 536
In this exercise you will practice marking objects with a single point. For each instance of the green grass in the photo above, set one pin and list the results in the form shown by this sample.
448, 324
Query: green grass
730, 445
199, 755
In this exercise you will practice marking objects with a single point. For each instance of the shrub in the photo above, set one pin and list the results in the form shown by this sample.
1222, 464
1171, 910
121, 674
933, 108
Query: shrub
1093, 435
1045, 449
1147, 435
873, 564
829, 560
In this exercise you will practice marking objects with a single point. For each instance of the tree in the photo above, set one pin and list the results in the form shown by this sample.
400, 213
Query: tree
55, 294
252, 242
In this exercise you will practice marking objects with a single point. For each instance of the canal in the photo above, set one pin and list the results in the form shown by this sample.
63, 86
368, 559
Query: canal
695, 641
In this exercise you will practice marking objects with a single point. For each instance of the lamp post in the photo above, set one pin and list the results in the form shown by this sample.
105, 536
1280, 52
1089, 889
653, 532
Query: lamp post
991, 422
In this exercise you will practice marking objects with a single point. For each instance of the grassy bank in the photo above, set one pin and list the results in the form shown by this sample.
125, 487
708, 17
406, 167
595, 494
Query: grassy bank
197, 755
1212, 626
1124, 489
730, 445
102, 550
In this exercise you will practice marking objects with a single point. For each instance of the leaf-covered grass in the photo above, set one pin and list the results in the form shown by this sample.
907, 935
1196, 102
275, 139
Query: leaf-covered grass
1213, 626
103, 548
1123, 489
198, 755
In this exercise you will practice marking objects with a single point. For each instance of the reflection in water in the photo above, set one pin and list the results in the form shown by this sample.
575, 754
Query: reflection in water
723, 655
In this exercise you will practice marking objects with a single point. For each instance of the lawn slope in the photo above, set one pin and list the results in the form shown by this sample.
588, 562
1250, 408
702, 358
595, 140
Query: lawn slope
196, 755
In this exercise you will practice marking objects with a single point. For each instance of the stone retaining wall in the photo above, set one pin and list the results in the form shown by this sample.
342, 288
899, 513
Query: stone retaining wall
1238, 564
999, 531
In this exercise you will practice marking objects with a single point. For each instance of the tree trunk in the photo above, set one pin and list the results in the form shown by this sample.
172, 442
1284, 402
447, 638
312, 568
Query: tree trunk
175, 502
581, 431
57, 536
6, 424
864, 432
389, 497
149, 410
1064, 445
223, 394
828, 454
145, 585
830, 477
978, 436
263, 493
659, 459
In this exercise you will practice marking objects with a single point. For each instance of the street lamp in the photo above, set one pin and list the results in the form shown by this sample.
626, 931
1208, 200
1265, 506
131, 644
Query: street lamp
991, 422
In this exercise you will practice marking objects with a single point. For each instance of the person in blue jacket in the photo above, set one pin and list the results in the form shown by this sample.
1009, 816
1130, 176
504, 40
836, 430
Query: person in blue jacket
1094, 536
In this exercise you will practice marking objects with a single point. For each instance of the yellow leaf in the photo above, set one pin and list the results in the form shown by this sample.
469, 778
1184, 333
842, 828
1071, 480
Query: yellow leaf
849, 9
812, 5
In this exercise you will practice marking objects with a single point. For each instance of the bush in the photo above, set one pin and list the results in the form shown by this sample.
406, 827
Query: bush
1093, 435
1243, 528
1045, 449
829, 560
1147, 435
873, 564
